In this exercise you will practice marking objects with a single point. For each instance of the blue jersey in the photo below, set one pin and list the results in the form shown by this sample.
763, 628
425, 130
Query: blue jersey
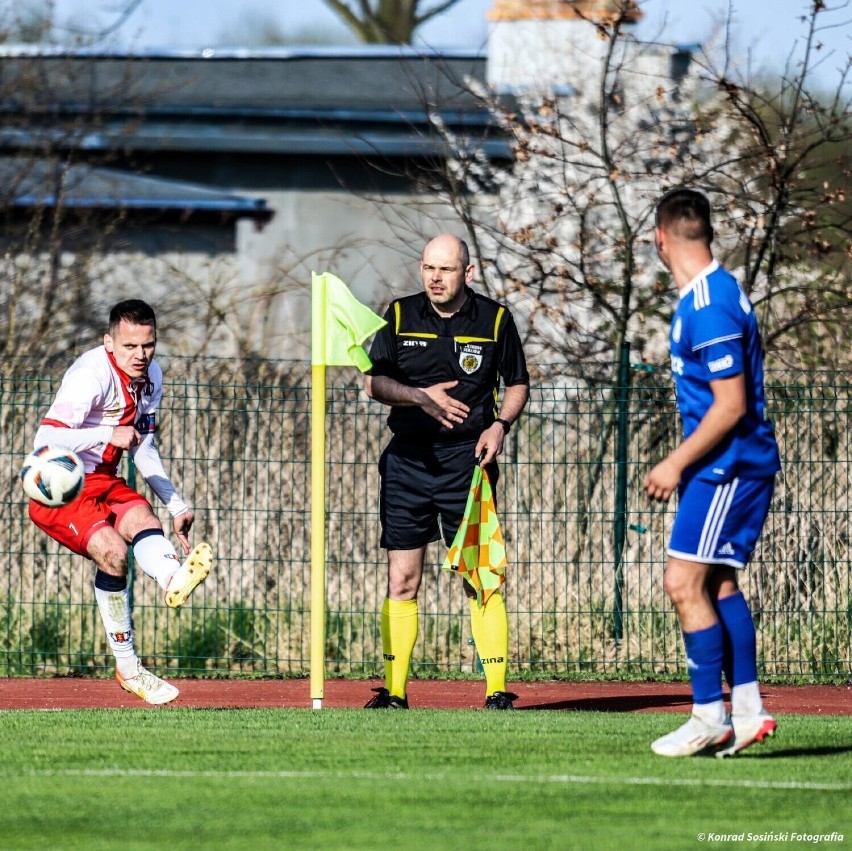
714, 335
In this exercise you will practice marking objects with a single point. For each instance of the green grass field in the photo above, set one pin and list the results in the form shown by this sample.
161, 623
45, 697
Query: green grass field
349, 779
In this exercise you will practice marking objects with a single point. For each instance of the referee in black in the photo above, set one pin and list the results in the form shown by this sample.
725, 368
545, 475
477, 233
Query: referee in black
438, 364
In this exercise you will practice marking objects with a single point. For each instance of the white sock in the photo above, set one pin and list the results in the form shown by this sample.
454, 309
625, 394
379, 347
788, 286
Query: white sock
156, 556
710, 713
745, 699
114, 608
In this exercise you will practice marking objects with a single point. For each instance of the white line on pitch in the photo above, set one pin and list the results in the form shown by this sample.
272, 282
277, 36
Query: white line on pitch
375, 775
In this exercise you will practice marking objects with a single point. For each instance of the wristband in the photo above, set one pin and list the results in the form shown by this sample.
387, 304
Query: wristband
505, 423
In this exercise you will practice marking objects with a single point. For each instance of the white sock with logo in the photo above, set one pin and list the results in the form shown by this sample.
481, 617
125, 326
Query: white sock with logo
156, 556
113, 601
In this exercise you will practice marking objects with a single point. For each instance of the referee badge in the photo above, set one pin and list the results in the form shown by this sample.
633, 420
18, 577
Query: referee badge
470, 359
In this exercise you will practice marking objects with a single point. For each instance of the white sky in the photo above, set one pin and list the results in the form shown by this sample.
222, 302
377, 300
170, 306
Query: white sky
767, 29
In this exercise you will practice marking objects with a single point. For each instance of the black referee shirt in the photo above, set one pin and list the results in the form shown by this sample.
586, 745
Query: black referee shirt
477, 346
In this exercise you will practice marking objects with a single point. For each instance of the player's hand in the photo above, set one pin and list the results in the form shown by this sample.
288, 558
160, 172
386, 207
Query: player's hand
661, 482
490, 444
442, 407
125, 437
182, 524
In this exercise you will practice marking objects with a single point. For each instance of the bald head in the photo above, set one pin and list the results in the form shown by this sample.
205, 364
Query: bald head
447, 244
445, 269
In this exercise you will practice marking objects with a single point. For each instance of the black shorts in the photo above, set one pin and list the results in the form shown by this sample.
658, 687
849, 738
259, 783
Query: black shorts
422, 484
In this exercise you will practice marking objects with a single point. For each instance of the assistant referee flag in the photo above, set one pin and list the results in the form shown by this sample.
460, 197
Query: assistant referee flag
478, 552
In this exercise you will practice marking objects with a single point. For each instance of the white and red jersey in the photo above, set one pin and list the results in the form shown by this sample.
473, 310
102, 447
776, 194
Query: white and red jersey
96, 396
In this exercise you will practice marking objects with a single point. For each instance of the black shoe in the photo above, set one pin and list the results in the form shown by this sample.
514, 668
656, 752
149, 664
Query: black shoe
385, 700
500, 700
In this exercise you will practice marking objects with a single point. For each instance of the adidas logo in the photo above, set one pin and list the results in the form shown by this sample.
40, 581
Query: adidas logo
726, 550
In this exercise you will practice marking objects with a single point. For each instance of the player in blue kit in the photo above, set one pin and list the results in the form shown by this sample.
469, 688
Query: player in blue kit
724, 470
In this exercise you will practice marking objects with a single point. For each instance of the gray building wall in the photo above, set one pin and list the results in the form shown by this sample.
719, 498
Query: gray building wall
330, 140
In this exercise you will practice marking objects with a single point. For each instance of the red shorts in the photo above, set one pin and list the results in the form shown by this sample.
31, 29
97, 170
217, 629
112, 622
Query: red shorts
104, 500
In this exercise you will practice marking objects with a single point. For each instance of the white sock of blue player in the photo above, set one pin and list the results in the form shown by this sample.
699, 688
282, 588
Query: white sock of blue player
114, 607
704, 664
740, 655
155, 555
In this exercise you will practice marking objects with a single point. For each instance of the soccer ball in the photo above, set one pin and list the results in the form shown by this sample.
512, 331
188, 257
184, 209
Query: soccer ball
53, 476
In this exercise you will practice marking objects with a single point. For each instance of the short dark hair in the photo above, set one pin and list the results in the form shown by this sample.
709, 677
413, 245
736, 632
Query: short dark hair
132, 310
686, 212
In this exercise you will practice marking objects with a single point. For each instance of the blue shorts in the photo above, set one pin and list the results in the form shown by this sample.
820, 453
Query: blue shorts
720, 523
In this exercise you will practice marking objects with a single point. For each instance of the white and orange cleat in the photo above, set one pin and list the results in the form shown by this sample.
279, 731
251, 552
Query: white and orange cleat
148, 686
749, 729
692, 738
189, 575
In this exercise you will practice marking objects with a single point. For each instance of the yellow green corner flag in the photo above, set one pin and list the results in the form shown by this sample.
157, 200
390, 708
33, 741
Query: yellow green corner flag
339, 324
478, 552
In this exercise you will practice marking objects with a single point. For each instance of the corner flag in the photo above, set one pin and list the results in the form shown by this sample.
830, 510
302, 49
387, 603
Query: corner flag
478, 552
339, 325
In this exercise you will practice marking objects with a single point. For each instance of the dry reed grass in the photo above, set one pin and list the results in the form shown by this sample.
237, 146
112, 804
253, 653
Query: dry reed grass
236, 437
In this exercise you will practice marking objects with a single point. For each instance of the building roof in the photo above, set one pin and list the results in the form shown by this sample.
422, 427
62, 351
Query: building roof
367, 78
360, 101
38, 183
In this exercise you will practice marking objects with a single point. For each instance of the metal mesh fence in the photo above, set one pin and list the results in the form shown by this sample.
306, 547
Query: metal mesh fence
586, 548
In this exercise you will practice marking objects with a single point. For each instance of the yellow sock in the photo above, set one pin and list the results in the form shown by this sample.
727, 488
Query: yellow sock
490, 627
399, 632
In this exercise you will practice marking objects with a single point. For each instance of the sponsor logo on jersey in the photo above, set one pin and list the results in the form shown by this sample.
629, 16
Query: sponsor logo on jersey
721, 363
677, 330
492, 660
415, 343
677, 365
388, 657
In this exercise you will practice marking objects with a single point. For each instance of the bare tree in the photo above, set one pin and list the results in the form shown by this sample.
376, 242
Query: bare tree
36, 22
565, 232
788, 204
27, 23
67, 235
387, 21
50, 243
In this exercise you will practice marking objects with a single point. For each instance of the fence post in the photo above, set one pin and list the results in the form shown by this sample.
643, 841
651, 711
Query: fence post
620, 527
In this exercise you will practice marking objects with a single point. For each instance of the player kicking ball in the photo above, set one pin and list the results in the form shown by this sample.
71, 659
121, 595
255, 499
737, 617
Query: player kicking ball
105, 406
724, 471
